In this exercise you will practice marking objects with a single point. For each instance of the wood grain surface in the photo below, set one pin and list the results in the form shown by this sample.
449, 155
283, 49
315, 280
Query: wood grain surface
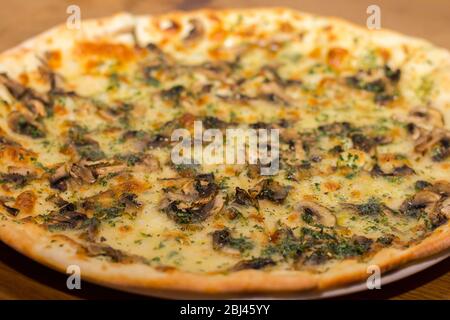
22, 278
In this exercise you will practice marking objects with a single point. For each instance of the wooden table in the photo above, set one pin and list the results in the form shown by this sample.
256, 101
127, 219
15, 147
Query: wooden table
22, 278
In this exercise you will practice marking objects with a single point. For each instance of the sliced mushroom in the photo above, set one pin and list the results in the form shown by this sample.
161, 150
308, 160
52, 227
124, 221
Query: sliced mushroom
235, 97
16, 89
441, 187
64, 219
116, 255
59, 177
101, 168
194, 201
7, 203
19, 176
272, 92
428, 139
110, 170
19, 91
401, 171
444, 207
270, 190
219, 70
33, 100
441, 151
243, 198
223, 238
432, 201
362, 142
79, 171
313, 212
255, 263
187, 213
422, 202
427, 116
26, 125
86, 147
336, 128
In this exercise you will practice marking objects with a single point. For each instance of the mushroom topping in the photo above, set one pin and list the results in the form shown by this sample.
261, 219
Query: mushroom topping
5, 140
26, 125
108, 169
194, 212
270, 190
422, 202
441, 187
118, 112
194, 201
14, 88
381, 82
272, 93
110, 204
421, 185
426, 140
336, 128
101, 168
372, 207
428, 116
243, 198
442, 150
33, 100
222, 238
256, 263
116, 255
271, 75
79, 171
362, 142
5, 203
65, 219
218, 70
214, 123
204, 184
141, 140
235, 97
401, 171
89, 149
162, 138
146, 161
85, 147
173, 93
19, 176
444, 207
313, 212
59, 177
434, 204
196, 30
92, 230
84, 172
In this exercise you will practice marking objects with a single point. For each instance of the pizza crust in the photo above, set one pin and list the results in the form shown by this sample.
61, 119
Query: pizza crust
35, 243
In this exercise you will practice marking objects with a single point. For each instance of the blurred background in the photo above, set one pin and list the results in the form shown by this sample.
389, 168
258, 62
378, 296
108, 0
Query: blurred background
430, 19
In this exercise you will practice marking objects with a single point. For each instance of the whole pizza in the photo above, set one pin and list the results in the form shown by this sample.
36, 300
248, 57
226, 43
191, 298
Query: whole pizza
87, 175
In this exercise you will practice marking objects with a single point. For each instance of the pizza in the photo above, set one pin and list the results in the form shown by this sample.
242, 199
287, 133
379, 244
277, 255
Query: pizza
87, 177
